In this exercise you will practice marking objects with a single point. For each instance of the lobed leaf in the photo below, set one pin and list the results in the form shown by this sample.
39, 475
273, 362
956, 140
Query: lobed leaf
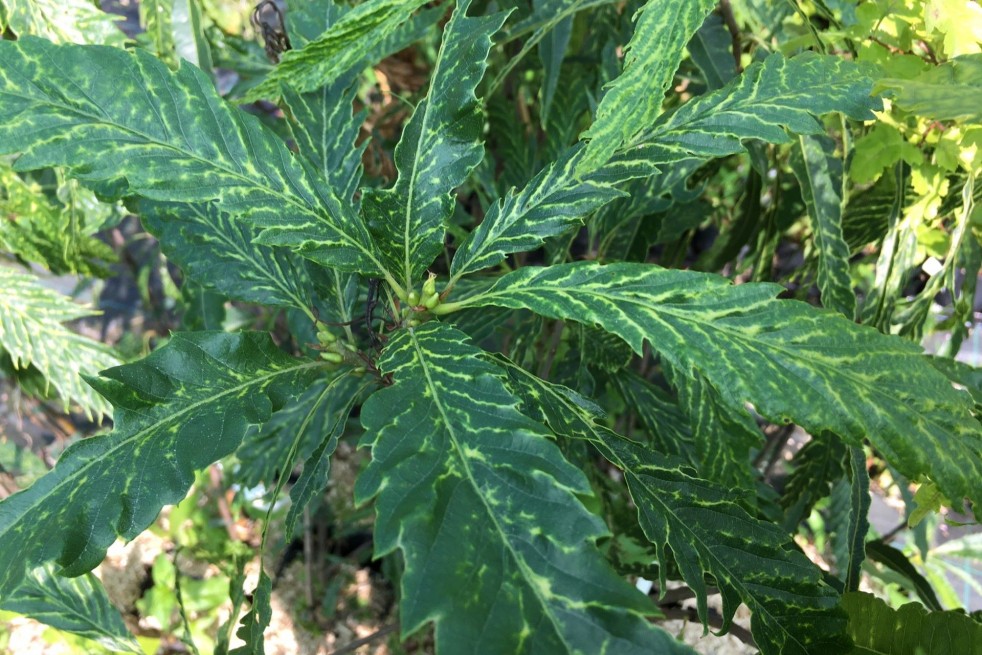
178, 410
339, 50
76, 605
32, 334
750, 560
499, 552
129, 124
633, 100
440, 146
792, 362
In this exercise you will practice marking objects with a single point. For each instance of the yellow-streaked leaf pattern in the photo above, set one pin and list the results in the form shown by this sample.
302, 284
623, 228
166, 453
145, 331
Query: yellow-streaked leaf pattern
172, 138
790, 360
221, 253
178, 410
440, 146
62, 21
770, 99
341, 48
76, 605
499, 552
819, 174
633, 100
32, 334
752, 561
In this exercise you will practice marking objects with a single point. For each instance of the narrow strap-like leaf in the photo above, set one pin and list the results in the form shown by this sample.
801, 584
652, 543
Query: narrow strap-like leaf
634, 98
180, 409
791, 361
465, 484
751, 561
849, 522
440, 146
126, 122
819, 174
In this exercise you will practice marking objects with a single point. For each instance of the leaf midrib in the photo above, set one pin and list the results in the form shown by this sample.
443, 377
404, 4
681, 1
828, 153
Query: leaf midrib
519, 562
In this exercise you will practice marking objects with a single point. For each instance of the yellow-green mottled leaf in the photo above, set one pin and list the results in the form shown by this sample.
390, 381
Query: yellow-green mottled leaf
790, 360
633, 100
177, 411
76, 605
32, 334
342, 47
952, 91
792, 611
63, 21
126, 123
440, 146
499, 552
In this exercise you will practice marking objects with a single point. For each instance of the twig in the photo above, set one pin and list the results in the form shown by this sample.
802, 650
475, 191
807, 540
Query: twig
215, 475
726, 12
557, 333
358, 643
308, 557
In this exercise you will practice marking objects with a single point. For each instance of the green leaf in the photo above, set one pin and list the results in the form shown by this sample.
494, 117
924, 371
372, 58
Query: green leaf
128, 123
896, 561
325, 129
951, 91
791, 361
552, 50
63, 21
340, 49
750, 560
177, 411
470, 489
711, 50
960, 373
849, 518
76, 605
878, 629
189, 39
440, 146
769, 99
254, 622
552, 202
633, 100
32, 334
667, 424
223, 254
819, 173
155, 18
815, 467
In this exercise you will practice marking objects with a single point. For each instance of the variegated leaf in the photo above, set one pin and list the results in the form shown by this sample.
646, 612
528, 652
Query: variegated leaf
499, 552
440, 146
32, 334
76, 605
172, 138
791, 361
339, 50
62, 21
819, 174
750, 560
633, 100
221, 253
182, 408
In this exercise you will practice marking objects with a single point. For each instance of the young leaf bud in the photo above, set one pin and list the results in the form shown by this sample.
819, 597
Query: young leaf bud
429, 287
334, 358
431, 301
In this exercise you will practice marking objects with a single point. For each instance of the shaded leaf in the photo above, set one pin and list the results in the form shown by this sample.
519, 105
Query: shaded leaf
76, 605
178, 410
32, 334
791, 361
821, 462
467, 485
711, 50
849, 519
876, 628
896, 561
819, 173
440, 146
172, 138
750, 560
